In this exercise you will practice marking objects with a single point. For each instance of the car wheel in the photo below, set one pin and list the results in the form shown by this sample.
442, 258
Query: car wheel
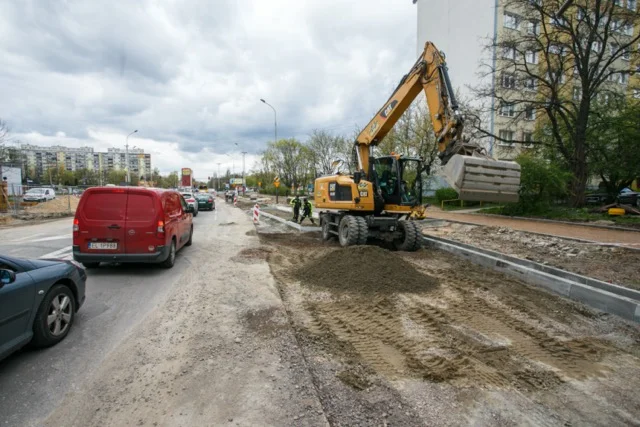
171, 259
54, 317
91, 264
190, 241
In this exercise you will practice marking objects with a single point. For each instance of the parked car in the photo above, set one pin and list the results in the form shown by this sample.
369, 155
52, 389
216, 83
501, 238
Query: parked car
597, 198
39, 195
131, 224
190, 198
38, 301
629, 197
205, 202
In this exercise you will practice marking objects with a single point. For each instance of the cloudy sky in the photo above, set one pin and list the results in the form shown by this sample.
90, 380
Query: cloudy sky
189, 74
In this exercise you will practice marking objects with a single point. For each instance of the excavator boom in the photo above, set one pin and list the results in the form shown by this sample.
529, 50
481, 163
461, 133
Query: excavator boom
472, 172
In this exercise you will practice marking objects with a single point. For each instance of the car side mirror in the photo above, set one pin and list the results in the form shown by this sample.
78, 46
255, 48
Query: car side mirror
7, 277
357, 177
190, 209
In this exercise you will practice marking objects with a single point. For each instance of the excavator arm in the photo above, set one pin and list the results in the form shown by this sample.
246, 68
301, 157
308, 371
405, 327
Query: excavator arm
468, 168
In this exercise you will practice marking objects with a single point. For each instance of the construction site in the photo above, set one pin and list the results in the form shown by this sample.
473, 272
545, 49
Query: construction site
432, 338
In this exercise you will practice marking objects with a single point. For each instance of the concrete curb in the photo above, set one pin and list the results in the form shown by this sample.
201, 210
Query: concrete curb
288, 209
554, 221
300, 228
603, 296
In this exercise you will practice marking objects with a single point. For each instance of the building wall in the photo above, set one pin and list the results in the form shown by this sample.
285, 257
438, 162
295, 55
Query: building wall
40, 159
520, 127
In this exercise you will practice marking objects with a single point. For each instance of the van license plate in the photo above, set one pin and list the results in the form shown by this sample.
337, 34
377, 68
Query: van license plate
101, 245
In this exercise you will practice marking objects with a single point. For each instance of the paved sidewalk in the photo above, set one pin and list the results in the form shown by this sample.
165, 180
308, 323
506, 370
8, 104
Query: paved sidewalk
592, 234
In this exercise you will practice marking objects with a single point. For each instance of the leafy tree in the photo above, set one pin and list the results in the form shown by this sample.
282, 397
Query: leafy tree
172, 180
568, 61
287, 158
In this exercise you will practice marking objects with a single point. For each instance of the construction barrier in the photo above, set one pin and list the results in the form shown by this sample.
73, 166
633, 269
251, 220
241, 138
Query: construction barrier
235, 201
256, 214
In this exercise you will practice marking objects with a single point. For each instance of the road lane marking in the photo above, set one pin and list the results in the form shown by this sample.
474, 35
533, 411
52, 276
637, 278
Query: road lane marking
26, 238
58, 253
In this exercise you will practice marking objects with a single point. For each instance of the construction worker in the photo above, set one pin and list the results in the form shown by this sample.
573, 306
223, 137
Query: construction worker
296, 203
307, 211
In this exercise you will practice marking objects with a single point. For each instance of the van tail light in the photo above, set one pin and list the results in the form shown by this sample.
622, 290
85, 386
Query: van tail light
210, 199
76, 227
191, 200
160, 229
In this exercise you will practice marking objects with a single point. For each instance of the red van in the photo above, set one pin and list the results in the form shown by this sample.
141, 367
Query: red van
130, 224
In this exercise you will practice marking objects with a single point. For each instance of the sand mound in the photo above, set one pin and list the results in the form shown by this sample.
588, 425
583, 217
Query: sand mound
58, 205
364, 269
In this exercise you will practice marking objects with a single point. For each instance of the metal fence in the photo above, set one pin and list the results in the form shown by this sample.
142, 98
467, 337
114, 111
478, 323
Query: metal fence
16, 198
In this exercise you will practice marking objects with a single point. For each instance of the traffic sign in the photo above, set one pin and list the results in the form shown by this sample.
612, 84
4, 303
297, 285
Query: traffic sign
276, 184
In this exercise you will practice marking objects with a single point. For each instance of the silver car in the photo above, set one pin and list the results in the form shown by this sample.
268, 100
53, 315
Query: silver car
191, 201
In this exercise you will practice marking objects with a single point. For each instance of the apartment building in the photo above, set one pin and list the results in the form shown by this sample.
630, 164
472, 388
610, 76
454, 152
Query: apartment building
515, 123
40, 159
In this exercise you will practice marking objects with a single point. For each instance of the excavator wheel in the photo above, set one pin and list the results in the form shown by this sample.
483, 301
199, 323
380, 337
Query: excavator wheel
411, 236
326, 227
349, 231
363, 230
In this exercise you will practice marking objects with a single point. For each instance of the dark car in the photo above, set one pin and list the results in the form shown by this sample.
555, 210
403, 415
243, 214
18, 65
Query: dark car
205, 202
131, 224
629, 197
38, 301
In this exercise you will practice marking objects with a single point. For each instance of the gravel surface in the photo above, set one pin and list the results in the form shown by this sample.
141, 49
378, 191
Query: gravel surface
611, 264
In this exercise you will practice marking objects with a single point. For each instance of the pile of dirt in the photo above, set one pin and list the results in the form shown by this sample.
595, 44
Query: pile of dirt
62, 204
364, 269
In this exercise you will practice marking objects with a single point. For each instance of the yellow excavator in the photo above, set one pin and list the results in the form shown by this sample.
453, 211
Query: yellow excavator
384, 194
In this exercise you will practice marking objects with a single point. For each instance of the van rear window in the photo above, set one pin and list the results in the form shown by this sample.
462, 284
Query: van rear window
141, 207
105, 206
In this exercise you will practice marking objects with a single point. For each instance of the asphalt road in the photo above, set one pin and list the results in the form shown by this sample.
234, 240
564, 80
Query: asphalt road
33, 383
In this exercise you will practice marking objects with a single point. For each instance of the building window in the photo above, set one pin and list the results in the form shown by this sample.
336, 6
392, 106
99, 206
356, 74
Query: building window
533, 28
529, 113
508, 110
506, 138
623, 78
626, 54
509, 53
531, 57
596, 46
557, 76
508, 81
527, 137
636, 93
510, 21
631, 4
617, 2
557, 21
577, 93
557, 49
530, 83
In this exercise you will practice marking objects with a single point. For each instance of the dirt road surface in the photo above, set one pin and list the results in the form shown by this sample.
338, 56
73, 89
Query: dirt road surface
611, 264
220, 351
593, 234
453, 344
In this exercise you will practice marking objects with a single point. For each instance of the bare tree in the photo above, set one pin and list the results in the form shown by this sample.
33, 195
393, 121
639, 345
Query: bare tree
4, 136
558, 66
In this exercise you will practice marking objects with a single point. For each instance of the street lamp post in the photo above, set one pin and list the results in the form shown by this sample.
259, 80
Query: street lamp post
218, 189
244, 184
126, 156
275, 120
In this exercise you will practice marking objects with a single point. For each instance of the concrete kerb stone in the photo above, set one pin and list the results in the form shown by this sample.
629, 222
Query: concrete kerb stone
553, 221
620, 305
300, 228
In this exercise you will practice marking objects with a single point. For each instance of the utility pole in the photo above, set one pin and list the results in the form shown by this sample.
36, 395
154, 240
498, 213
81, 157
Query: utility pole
244, 184
218, 177
126, 156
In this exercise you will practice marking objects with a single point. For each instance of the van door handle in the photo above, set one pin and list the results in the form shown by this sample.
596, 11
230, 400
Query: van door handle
114, 227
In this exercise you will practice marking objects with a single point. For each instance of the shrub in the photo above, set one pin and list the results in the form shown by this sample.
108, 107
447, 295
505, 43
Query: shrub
446, 194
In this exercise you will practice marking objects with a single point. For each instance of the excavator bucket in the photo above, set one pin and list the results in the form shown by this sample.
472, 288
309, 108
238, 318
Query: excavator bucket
483, 179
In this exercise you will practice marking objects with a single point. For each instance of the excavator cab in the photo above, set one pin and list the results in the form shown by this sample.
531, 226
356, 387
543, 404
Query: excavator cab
399, 179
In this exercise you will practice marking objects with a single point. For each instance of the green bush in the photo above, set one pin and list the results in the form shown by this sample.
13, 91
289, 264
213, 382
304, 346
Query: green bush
446, 194
271, 189
541, 183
